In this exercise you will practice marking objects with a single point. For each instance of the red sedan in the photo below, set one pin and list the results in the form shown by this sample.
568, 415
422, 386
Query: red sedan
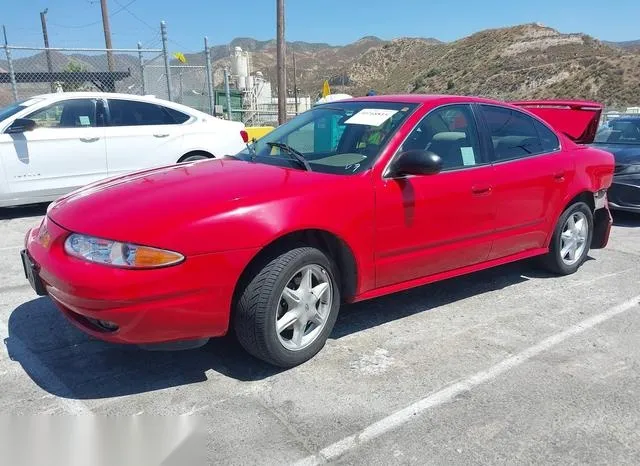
348, 201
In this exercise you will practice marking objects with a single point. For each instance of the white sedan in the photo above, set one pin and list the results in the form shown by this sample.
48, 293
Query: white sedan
54, 143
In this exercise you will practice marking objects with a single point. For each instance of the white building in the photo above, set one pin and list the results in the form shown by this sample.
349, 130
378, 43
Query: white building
259, 104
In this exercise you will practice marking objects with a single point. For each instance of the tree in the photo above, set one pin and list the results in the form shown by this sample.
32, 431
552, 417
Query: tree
74, 83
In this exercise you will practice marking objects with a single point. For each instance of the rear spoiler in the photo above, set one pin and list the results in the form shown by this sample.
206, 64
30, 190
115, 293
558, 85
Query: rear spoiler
576, 119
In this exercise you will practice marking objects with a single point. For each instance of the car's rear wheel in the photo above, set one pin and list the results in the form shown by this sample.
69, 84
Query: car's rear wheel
287, 310
571, 239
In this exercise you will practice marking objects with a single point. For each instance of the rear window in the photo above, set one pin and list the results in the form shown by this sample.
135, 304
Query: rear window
178, 117
550, 141
135, 113
516, 135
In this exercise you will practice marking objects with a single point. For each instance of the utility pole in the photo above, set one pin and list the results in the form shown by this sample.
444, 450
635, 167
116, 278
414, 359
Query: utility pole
281, 64
107, 34
295, 85
45, 35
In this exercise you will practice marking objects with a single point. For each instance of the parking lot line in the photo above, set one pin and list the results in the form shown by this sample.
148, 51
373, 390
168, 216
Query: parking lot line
447, 394
10, 248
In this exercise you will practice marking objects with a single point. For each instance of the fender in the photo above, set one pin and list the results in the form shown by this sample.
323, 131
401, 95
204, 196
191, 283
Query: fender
594, 180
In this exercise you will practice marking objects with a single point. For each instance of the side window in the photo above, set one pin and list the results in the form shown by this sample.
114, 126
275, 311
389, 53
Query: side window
76, 113
177, 116
449, 132
133, 113
515, 135
550, 141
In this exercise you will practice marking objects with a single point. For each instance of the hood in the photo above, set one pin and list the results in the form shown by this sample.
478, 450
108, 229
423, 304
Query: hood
161, 207
576, 119
624, 154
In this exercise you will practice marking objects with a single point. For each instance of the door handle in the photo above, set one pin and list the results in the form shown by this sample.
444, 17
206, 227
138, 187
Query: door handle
89, 139
161, 135
558, 176
481, 190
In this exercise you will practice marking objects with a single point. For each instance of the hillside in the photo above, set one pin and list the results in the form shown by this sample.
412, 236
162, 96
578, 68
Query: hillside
527, 61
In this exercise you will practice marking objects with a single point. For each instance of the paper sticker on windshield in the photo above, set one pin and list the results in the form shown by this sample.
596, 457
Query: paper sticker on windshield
371, 117
468, 157
84, 120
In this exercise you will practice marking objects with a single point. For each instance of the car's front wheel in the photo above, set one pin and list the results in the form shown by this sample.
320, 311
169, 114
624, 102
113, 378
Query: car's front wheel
287, 310
571, 240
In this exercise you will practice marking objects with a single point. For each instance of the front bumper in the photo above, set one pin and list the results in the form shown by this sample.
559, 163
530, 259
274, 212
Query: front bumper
188, 301
624, 193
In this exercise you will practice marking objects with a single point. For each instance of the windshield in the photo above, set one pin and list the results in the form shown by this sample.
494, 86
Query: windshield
339, 137
620, 131
10, 110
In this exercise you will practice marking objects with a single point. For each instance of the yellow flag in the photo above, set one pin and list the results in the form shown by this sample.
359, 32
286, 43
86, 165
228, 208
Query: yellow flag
180, 57
325, 89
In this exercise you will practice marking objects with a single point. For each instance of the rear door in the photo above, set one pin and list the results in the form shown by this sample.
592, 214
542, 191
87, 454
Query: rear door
66, 150
532, 175
142, 135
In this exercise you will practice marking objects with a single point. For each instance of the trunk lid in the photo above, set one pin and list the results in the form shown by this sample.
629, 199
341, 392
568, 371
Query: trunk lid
576, 119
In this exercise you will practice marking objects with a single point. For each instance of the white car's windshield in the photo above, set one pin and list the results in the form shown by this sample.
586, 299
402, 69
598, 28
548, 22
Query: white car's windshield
339, 137
10, 110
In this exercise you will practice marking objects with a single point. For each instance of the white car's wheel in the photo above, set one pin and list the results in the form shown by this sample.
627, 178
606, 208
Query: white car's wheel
193, 157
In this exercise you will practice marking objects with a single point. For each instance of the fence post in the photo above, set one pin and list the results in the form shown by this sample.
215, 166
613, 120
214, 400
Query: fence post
212, 108
165, 52
141, 60
12, 75
228, 92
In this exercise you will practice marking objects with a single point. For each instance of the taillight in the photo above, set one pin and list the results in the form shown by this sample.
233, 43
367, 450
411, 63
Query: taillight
245, 136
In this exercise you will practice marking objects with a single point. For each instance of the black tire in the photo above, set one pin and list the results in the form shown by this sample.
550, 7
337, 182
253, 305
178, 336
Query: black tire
553, 261
193, 157
255, 313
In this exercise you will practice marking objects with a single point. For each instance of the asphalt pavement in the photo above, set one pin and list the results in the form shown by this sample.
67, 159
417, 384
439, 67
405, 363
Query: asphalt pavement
506, 366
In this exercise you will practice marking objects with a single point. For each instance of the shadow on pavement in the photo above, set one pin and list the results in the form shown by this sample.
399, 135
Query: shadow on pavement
33, 210
67, 363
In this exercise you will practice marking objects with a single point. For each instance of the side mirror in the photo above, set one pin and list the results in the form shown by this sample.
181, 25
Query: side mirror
21, 125
416, 162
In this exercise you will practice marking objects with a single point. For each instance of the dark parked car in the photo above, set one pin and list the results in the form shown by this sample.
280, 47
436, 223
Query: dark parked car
621, 137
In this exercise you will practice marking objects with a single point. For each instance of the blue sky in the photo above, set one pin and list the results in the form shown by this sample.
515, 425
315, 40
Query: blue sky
78, 22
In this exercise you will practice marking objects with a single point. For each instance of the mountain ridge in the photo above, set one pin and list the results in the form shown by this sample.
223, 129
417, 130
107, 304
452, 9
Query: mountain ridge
524, 61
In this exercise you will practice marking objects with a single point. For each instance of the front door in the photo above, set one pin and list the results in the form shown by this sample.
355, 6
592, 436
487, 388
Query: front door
435, 223
66, 150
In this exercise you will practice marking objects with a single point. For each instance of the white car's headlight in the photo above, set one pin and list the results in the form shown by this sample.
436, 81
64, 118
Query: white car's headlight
114, 253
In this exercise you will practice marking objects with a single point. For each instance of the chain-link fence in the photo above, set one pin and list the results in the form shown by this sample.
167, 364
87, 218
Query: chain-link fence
29, 71
187, 79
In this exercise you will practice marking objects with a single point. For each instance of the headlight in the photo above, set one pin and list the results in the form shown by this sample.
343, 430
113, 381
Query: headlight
114, 253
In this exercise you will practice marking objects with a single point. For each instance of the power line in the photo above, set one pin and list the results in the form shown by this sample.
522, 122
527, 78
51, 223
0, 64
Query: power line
82, 26
126, 8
